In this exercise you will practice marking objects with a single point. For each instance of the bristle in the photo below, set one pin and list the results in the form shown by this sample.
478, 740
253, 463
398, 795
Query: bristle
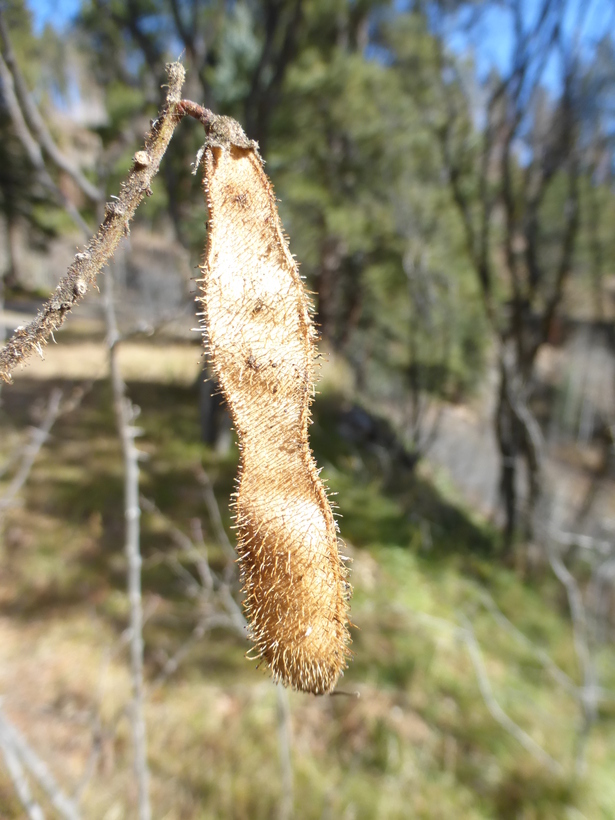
260, 339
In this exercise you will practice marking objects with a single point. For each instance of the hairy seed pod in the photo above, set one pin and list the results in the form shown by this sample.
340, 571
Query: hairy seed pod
261, 341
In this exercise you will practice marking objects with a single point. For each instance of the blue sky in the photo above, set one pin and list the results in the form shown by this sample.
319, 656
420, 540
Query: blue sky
492, 41
56, 12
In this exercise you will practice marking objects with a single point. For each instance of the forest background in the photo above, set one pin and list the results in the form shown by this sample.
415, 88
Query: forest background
445, 175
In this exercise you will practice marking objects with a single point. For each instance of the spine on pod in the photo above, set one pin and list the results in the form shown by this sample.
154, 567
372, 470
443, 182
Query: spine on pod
261, 342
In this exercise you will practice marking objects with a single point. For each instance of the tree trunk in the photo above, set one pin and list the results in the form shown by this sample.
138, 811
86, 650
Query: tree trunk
12, 276
506, 434
211, 407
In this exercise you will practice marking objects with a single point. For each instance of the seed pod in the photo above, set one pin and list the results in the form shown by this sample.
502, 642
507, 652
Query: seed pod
261, 341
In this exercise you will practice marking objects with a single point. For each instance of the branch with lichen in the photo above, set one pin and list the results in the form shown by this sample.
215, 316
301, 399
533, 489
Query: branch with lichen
88, 263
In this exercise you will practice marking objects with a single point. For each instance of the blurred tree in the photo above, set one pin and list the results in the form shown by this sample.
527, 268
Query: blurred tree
514, 158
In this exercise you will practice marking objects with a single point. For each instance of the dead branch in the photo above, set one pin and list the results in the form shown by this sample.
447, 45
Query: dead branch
467, 635
36, 123
38, 769
564, 680
285, 811
213, 509
33, 149
18, 775
588, 692
219, 609
38, 437
210, 582
496, 711
125, 415
118, 213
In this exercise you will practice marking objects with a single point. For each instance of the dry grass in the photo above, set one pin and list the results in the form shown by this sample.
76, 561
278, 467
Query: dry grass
417, 743
140, 362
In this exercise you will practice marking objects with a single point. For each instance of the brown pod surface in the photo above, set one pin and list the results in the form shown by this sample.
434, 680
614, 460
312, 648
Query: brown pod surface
261, 341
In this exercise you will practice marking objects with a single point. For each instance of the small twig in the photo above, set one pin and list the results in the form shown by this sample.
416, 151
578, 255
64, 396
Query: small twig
33, 149
125, 414
552, 668
185, 544
285, 811
93, 758
211, 592
213, 509
588, 692
38, 769
118, 213
206, 623
38, 438
466, 634
36, 122
496, 711
18, 776
209, 580
585, 542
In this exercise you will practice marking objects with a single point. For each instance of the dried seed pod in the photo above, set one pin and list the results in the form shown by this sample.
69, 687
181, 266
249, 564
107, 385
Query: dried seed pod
261, 339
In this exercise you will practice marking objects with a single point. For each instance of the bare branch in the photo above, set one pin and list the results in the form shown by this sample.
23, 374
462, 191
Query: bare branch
209, 580
466, 634
285, 811
219, 609
61, 803
498, 714
586, 542
552, 668
33, 149
589, 691
118, 213
184, 543
126, 414
17, 775
38, 438
37, 123
214, 512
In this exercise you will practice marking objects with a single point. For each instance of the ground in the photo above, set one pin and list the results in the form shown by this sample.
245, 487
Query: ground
411, 738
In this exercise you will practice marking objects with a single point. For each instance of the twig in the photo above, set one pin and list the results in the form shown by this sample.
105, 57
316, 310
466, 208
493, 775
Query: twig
18, 776
212, 590
205, 624
496, 711
93, 758
36, 122
207, 577
214, 512
285, 811
185, 544
588, 692
585, 542
61, 803
38, 438
33, 149
466, 634
552, 668
118, 213
210, 581
125, 414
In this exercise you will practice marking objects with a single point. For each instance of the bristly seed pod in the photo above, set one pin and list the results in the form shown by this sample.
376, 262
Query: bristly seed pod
261, 341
